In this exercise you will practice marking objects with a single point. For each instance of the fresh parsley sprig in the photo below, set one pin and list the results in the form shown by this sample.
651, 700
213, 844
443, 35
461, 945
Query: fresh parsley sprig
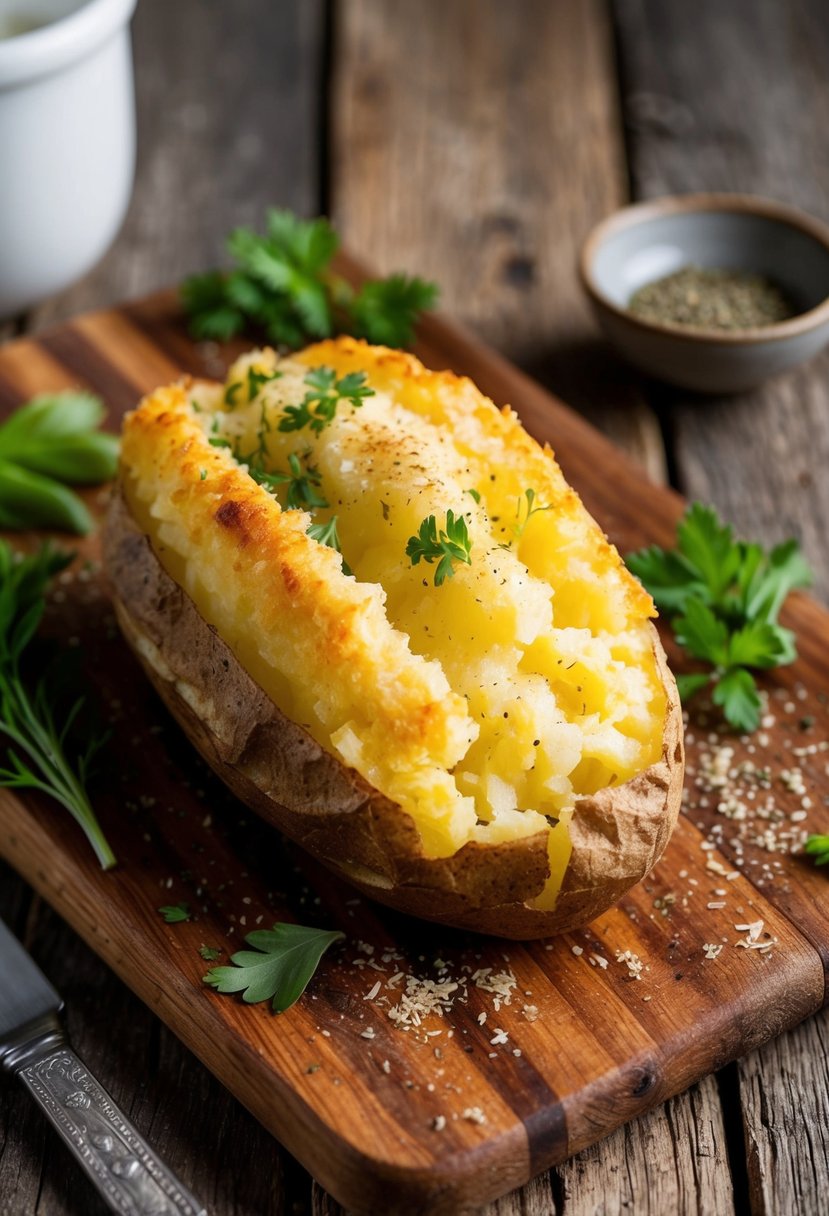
723, 597
326, 534
46, 445
445, 546
303, 482
318, 407
37, 748
279, 967
817, 845
282, 283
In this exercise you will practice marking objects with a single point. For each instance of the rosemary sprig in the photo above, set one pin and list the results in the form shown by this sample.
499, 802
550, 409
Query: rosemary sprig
36, 756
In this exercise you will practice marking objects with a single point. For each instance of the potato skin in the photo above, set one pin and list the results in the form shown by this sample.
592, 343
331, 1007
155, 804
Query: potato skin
275, 767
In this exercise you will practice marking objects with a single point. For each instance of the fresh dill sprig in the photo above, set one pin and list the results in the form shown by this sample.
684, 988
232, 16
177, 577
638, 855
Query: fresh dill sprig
36, 751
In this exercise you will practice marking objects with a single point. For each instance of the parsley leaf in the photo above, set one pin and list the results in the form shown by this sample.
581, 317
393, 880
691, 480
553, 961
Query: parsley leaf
818, 846
325, 392
723, 597
209, 953
736, 694
279, 967
446, 547
302, 482
175, 913
385, 311
282, 283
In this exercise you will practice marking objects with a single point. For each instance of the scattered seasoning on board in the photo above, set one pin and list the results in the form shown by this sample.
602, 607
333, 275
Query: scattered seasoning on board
708, 298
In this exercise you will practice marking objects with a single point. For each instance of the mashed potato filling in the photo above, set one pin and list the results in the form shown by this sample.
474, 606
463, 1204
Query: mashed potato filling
486, 705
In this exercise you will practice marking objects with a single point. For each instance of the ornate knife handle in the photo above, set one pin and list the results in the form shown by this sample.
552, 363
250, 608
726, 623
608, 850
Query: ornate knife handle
126, 1171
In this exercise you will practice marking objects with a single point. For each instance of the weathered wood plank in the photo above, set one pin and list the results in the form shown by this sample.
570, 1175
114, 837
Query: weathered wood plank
671, 1160
229, 104
740, 102
476, 143
784, 1091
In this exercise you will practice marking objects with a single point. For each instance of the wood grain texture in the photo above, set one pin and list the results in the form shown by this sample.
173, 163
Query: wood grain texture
229, 102
598, 1054
758, 123
739, 102
672, 1160
783, 1089
476, 144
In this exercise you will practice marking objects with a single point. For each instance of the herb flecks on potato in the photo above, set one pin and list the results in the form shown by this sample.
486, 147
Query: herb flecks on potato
515, 715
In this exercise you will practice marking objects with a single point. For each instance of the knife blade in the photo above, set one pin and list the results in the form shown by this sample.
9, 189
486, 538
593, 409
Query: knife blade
33, 1047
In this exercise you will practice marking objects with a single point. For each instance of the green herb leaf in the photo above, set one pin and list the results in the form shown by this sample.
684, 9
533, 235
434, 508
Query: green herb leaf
385, 311
723, 597
702, 634
175, 913
279, 970
282, 283
736, 694
446, 547
46, 444
325, 393
38, 752
302, 482
818, 847
326, 534
213, 315
209, 953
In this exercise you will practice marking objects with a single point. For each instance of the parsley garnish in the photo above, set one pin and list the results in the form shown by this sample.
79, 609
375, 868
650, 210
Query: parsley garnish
283, 284
209, 953
175, 913
723, 597
48, 444
36, 755
818, 847
450, 546
325, 392
524, 515
286, 959
326, 534
302, 482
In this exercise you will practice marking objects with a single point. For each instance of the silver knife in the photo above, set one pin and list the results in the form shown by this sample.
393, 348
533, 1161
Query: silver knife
33, 1046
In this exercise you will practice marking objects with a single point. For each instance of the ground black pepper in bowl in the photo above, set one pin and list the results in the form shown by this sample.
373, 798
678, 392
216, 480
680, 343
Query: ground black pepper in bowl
709, 298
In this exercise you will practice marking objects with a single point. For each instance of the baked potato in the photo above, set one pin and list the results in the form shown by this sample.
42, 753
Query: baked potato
386, 621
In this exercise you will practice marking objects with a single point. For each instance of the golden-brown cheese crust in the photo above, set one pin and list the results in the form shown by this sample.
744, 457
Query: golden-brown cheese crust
280, 771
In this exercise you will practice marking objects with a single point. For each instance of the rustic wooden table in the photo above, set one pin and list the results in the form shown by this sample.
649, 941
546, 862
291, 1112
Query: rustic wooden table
476, 142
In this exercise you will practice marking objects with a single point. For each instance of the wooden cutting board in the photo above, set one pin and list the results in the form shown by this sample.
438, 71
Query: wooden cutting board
537, 1050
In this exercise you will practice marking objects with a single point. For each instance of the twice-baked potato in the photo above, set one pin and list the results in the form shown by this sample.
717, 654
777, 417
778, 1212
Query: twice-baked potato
467, 711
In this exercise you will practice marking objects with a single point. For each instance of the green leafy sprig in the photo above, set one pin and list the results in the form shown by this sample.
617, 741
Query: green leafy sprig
48, 444
279, 967
282, 283
318, 407
174, 914
723, 598
446, 546
37, 752
303, 482
817, 845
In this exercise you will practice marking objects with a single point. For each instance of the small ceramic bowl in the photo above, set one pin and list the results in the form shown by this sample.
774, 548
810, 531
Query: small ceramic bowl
647, 241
